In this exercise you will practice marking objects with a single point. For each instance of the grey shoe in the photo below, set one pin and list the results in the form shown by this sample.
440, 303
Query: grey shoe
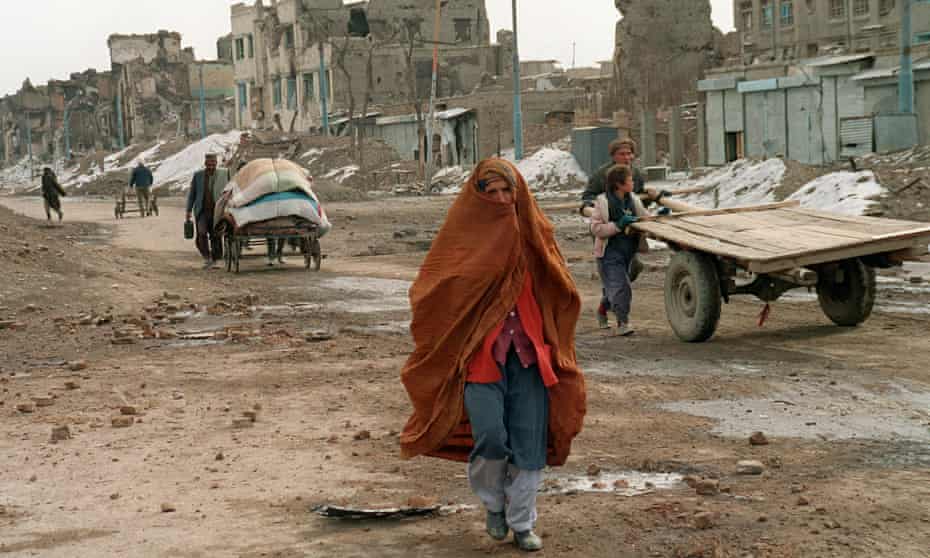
602, 321
624, 330
527, 541
207, 264
496, 523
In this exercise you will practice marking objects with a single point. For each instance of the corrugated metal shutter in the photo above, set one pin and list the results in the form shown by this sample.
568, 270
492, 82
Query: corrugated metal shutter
856, 136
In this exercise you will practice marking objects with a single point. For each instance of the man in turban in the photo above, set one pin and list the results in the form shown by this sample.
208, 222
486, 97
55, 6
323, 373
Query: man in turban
493, 377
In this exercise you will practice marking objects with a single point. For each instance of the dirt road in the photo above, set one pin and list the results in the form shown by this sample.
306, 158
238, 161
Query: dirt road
108, 317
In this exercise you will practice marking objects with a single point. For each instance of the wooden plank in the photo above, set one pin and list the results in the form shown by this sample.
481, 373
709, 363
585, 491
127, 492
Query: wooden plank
826, 256
715, 234
697, 242
871, 221
732, 210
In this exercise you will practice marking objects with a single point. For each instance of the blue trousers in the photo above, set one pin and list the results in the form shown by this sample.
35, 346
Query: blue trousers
510, 418
618, 290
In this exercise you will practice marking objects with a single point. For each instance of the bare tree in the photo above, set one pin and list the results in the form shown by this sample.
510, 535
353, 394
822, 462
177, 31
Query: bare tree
411, 37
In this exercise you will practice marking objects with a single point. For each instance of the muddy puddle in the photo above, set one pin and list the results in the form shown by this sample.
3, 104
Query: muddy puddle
626, 483
361, 295
891, 412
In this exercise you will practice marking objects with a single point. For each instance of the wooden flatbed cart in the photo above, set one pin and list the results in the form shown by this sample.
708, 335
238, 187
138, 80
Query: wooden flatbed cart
303, 236
775, 248
127, 203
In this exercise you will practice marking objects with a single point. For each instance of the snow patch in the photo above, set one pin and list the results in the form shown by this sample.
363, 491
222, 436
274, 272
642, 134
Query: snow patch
850, 193
744, 182
342, 174
180, 168
549, 167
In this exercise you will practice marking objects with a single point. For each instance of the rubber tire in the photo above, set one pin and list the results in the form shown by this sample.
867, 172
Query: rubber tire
849, 303
692, 296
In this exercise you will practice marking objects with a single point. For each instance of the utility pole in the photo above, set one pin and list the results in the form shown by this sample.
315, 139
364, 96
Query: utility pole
574, 47
324, 90
67, 132
428, 179
906, 73
517, 105
203, 107
119, 115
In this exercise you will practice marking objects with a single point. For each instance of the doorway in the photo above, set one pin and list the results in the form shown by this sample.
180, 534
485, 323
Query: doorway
734, 146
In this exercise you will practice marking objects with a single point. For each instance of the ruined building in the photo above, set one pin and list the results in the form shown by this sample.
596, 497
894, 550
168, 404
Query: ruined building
797, 29
159, 86
152, 91
662, 48
374, 53
32, 120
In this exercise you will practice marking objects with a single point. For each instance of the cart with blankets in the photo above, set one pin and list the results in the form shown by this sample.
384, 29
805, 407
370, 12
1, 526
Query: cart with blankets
271, 202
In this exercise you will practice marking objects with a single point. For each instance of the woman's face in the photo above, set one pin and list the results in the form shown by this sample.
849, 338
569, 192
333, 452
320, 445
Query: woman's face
625, 187
500, 190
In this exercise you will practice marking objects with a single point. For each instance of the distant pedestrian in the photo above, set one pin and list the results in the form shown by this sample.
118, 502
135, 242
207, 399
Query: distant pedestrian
493, 377
51, 192
615, 245
205, 190
142, 181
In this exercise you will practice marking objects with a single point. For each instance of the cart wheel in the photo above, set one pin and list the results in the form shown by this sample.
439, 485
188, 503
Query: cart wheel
692, 296
237, 254
849, 301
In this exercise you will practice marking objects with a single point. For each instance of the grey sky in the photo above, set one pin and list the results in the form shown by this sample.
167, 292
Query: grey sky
49, 39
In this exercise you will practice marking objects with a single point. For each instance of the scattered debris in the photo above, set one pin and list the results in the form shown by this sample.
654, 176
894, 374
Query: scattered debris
122, 422
750, 468
60, 434
758, 439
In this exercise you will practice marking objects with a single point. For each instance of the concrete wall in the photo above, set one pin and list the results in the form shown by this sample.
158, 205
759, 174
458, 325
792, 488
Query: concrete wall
218, 78
814, 30
923, 110
127, 48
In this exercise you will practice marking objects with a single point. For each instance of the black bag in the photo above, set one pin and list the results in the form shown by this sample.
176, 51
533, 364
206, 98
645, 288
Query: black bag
188, 230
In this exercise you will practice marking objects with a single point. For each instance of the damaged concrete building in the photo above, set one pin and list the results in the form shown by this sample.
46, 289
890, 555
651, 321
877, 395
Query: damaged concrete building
33, 120
159, 86
662, 48
817, 82
374, 53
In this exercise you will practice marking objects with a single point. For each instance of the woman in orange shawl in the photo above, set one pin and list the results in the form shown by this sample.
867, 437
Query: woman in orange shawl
493, 377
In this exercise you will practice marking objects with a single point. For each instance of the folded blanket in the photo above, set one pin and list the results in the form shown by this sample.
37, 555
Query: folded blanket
285, 204
270, 188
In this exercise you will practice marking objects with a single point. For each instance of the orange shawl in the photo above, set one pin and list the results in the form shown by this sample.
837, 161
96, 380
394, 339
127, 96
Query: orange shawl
471, 278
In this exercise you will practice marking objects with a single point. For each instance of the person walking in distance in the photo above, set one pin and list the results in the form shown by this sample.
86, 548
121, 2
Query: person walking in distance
51, 194
205, 190
493, 378
142, 180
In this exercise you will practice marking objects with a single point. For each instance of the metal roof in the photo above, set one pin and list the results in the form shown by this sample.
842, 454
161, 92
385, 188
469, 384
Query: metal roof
837, 60
890, 71
449, 114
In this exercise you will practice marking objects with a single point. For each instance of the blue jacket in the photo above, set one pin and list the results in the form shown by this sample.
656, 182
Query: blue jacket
141, 177
195, 194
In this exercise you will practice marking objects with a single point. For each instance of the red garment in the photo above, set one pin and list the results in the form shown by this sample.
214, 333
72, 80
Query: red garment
514, 335
483, 367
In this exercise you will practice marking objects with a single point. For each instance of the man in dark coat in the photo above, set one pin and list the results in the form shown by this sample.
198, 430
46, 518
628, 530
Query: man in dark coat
623, 153
51, 190
205, 190
142, 181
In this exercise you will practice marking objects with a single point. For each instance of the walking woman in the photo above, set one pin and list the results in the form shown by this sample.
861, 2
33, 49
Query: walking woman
493, 378
615, 245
